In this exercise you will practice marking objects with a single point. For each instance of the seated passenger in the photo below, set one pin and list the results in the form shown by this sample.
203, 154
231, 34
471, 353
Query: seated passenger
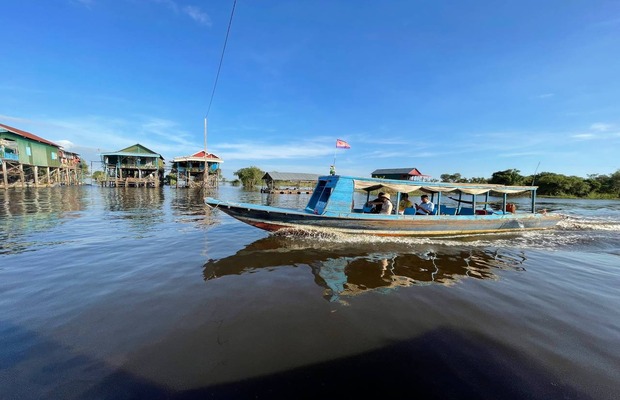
404, 203
426, 207
382, 204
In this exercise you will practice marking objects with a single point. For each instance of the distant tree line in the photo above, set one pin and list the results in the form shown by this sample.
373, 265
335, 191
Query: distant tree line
552, 184
549, 183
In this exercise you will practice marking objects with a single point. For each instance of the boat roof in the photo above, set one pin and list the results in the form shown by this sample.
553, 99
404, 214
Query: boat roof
370, 184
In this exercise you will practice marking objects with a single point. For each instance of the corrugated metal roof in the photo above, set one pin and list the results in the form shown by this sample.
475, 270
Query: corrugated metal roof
122, 153
138, 151
289, 176
200, 156
137, 148
398, 171
28, 135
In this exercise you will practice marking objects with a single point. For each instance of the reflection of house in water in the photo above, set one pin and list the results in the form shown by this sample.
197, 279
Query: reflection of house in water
353, 271
190, 170
29, 160
141, 211
29, 211
133, 166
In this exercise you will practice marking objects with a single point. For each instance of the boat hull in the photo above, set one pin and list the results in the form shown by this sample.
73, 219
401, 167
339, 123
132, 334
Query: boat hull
274, 219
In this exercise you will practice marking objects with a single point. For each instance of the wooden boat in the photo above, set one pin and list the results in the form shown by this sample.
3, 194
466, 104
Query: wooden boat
332, 208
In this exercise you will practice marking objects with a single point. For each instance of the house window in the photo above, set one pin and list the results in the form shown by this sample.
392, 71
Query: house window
54, 156
28, 151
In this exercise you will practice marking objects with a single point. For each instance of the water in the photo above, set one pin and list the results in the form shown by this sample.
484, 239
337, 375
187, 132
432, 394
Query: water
143, 293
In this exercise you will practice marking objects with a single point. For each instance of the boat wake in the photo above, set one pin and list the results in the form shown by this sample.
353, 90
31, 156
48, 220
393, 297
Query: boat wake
573, 223
566, 235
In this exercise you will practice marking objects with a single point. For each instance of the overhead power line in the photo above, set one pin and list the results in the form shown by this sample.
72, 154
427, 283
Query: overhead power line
221, 58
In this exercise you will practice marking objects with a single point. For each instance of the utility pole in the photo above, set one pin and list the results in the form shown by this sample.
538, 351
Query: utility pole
206, 173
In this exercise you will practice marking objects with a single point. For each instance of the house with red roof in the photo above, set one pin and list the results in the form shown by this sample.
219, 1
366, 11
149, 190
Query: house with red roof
30, 160
190, 171
404, 174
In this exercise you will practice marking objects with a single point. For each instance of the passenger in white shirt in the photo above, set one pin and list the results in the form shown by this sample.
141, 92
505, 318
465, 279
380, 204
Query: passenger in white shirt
426, 207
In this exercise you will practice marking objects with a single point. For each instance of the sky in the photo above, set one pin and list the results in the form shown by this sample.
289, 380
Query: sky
444, 86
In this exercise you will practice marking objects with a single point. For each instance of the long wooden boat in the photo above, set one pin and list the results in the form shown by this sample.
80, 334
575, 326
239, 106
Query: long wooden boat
332, 208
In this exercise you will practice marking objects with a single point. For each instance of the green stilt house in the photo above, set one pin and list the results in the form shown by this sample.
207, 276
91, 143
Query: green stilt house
134, 166
27, 160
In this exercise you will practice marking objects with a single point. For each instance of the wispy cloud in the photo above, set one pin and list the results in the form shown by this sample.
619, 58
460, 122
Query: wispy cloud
66, 144
546, 95
600, 127
584, 136
168, 3
193, 12
87, 3
262, 151
522, 154
197, 15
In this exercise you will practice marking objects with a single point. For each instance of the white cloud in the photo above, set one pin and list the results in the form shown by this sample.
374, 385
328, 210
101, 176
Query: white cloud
86, 3
600, 127
197, 15
169, 3
193, 12
65, 144
546, 95
261, 151
521, 154
584, 136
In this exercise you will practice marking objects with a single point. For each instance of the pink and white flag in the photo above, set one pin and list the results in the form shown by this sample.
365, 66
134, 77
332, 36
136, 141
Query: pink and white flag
341, 144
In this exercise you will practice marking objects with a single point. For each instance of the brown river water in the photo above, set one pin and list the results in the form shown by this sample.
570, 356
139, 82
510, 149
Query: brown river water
133, 293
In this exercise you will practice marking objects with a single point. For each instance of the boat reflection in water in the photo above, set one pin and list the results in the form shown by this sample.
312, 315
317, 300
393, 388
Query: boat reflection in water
345, 270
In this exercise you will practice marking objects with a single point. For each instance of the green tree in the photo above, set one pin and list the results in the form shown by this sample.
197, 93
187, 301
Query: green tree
551, 184
579, 187
250, 176
615, 183
478, 180
595, 182
451, 177
507, 177
84, 168
170, 179
97, 175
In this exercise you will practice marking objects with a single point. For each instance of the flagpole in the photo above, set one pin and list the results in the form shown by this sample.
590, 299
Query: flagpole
342, 144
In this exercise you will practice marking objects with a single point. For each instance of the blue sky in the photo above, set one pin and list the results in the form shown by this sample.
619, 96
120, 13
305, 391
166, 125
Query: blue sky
470, 87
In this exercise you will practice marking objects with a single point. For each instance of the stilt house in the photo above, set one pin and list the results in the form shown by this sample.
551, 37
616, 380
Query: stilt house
133, 166
190, 171
29, 160
404, 174
288, 182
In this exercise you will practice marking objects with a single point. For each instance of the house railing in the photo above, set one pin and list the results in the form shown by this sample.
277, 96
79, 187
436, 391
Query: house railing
9, 156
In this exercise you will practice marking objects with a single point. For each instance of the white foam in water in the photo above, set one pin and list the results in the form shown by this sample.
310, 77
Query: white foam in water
577, 223
567, 232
